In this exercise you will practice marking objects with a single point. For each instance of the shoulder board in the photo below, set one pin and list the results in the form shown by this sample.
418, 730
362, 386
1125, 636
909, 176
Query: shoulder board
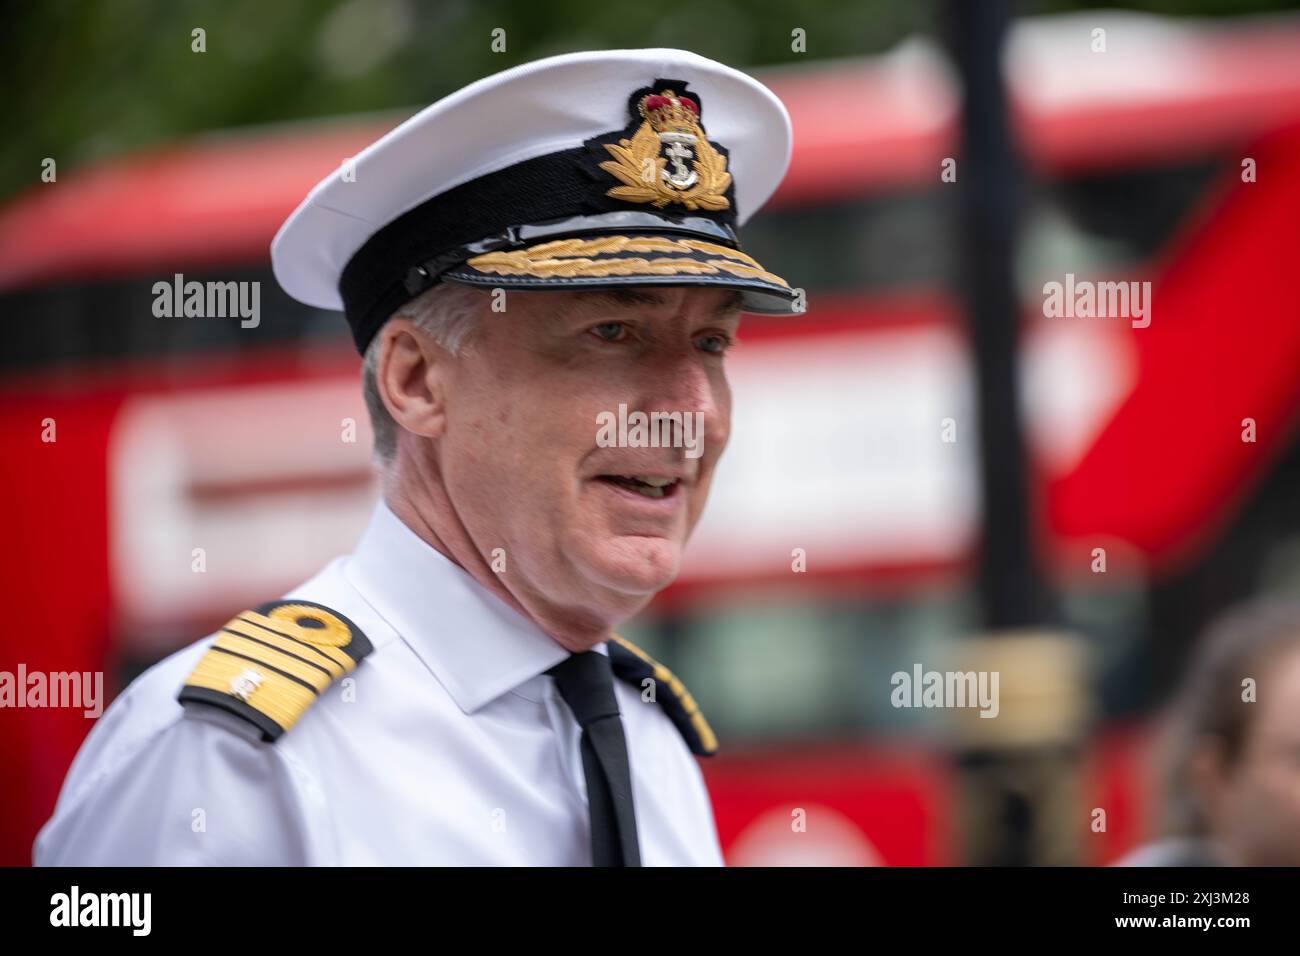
268, 665
634, 665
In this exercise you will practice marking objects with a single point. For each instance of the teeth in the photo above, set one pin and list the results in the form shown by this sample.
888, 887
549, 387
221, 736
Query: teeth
650, 487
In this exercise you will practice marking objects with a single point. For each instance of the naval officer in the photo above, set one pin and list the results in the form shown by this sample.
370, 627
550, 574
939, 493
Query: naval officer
515, 262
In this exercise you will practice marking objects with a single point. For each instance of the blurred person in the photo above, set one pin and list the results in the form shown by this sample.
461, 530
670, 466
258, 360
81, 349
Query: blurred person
520, 264
1231, 793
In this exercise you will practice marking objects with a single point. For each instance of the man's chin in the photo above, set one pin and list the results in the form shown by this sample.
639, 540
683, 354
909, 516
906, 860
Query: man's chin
636, 566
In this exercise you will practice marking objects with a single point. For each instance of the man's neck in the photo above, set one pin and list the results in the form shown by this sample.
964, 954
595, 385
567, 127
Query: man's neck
423, 506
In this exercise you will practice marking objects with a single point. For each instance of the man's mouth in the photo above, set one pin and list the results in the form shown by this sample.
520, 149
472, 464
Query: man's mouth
650, 486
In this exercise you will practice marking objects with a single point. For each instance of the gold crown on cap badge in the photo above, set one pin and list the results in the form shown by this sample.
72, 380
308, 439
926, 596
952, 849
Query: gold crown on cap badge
669, 159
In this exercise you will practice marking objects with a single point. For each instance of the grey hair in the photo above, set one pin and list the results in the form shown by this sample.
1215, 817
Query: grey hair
449, 313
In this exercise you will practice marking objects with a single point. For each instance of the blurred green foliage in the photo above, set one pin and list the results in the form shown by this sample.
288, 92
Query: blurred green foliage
87, 80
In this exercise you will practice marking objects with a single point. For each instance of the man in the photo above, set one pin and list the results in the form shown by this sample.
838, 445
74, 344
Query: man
1231, 789
541, 250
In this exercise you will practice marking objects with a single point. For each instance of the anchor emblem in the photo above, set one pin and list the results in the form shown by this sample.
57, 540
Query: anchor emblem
669, 159
680, 177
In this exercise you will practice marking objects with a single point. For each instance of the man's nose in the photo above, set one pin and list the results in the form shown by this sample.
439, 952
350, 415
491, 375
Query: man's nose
680, 382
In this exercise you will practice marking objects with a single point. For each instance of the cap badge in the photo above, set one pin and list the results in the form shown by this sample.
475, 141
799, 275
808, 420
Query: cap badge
669, 159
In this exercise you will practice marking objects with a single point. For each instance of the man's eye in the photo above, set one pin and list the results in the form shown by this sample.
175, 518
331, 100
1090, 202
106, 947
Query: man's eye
716, 343
610, 331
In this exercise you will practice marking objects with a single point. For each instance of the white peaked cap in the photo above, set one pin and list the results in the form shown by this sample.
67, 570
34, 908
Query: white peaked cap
507, 183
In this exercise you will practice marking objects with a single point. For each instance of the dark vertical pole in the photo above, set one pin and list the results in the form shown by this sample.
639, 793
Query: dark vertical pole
1007, 806
989, 179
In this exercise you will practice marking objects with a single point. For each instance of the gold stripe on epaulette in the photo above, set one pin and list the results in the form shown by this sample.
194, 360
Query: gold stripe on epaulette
661, 673
328, 643
269, 657
313, 655
276, 696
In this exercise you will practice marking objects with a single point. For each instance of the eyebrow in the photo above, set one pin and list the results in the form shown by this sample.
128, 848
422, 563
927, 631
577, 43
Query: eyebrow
627, 297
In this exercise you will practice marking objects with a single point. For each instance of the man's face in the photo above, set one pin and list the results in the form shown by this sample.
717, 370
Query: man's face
1259, 796
531, 406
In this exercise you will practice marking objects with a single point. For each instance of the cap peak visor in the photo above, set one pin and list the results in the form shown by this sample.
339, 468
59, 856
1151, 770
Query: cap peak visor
613, 261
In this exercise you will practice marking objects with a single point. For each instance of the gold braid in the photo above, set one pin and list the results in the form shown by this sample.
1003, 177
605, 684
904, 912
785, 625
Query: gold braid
568, 258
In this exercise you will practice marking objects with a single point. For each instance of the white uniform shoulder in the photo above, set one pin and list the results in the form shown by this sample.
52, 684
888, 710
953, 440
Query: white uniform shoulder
161, 782
153, 786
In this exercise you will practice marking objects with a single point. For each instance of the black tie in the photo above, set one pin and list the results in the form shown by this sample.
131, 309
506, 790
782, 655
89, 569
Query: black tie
586, 682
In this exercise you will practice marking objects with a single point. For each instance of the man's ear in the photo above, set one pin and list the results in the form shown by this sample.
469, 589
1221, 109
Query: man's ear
411, 377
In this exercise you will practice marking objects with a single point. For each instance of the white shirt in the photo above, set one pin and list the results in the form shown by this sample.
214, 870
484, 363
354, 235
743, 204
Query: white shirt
456, 749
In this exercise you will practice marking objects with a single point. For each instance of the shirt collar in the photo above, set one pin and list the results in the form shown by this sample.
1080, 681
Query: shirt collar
474, 643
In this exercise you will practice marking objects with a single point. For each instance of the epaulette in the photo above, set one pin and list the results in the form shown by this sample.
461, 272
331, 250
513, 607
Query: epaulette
268, 665
634, 665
